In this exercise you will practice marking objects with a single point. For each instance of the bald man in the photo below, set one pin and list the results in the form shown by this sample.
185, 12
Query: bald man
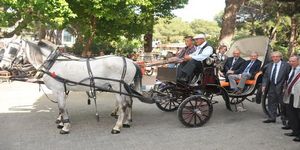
234, 63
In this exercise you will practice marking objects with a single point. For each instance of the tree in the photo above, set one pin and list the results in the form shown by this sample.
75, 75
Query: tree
229, 20
19, 14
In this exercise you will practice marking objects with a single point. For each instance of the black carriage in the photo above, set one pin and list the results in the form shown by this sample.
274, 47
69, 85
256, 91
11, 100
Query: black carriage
194, 101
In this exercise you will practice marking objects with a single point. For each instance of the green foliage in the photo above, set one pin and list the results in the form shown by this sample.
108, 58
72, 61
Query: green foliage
203, 26
174, 30
53, 12
259, 17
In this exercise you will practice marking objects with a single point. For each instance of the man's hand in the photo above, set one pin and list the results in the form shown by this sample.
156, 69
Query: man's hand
187, 58
230, 72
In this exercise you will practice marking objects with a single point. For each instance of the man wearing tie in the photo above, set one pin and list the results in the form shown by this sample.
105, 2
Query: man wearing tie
274, 78
233, 63
248, 70
292, 98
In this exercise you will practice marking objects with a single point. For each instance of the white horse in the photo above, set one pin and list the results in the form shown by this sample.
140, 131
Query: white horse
61, 75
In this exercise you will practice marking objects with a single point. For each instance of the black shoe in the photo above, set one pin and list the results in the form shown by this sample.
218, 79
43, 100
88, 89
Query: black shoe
269, 121
297, 139
286, 127
290, 134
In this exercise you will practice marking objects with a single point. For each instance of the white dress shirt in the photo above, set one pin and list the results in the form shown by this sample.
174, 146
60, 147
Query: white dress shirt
277, 71
207, 51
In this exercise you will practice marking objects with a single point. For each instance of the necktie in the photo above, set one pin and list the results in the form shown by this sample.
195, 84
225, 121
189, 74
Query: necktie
292, 75
248, 67
233, 62
274, 74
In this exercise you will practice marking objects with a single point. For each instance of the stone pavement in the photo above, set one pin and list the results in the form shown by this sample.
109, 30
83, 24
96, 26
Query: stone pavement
27, 123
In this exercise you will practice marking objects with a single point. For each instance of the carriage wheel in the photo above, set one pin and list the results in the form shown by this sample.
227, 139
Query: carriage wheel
265, 104
237, 100
170, 100
195, 111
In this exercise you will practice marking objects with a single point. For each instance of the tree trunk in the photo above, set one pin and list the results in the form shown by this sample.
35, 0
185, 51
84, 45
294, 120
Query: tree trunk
148, 42
15, 29
42, 32
86, 52
58, 37
293, 37
229, 18
273, 31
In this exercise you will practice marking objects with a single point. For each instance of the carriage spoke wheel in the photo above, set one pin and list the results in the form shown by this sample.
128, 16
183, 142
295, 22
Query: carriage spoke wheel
237, 100
195, 111
265, 106
170, 100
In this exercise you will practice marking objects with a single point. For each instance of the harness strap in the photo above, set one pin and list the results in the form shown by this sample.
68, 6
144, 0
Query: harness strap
91, 77
123, 73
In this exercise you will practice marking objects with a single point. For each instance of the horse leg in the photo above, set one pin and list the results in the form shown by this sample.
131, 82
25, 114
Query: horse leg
122, 108
129, 110
61, 101
114, 113
58, 119
59, 122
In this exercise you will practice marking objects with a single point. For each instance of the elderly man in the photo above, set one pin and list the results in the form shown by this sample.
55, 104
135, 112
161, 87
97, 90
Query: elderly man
248, 70
291, 98
275, 76
189, 49
194, 60
233, 63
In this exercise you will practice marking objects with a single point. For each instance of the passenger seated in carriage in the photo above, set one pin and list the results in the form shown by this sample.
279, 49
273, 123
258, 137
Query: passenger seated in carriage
232, 64
222, 57
248, 70
193, 61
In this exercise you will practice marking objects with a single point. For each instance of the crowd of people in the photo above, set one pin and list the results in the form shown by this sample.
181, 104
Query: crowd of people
281, 80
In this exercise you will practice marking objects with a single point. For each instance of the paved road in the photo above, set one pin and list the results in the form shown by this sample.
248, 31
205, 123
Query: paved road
27, 122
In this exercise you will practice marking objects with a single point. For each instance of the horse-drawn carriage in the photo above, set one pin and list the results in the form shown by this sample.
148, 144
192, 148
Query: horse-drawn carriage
116, 74
195, 101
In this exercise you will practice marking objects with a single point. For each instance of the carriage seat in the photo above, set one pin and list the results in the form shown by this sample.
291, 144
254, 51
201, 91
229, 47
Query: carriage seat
248, 82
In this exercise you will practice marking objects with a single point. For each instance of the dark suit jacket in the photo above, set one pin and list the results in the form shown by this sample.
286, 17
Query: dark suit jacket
282, 77
253, 70
235, 66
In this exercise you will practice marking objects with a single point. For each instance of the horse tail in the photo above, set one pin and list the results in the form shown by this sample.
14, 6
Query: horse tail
138, 78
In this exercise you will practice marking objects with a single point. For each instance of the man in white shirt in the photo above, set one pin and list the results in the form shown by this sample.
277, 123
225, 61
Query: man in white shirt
194, 60
291, 99
275, 76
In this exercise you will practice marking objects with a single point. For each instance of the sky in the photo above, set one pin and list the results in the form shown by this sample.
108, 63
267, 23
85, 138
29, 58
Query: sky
200, 9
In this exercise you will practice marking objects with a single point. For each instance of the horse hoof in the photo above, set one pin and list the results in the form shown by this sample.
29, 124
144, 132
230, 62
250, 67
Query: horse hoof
64, 132
59, 126
57, 121
115, 131
126, 126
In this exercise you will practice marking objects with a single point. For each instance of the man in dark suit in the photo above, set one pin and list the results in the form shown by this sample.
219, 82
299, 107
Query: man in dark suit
248, 70
274, 78
291, 99
233, 63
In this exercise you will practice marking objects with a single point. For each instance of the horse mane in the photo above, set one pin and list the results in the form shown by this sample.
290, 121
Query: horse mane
35, 52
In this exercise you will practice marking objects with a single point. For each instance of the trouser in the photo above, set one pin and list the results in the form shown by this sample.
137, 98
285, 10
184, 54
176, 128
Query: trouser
188, 70
233, 77
274, 99
179, 70
293, 115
